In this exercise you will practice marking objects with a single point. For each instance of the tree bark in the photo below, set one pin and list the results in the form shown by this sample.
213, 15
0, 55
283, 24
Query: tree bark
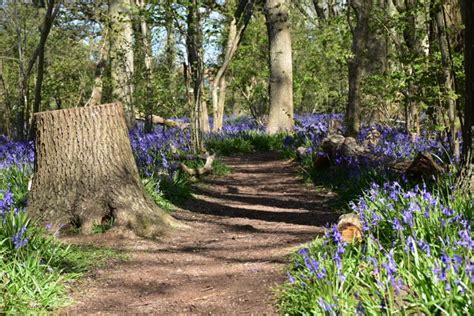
281, 68
170, 46
237, 28
147, 53
203, 113
196, 65
357, 63
320, 12
51, 13
407, 8
121, 53
97, 90
25, 118
85, 173
467, 171
4, 105
449, 88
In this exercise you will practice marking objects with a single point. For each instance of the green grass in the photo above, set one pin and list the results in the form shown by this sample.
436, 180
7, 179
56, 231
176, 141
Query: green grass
35, 268
247, 142
36, 276
103, 227
82, 259
347, 183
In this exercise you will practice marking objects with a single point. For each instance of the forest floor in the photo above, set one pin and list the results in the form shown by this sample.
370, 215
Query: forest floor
242, 227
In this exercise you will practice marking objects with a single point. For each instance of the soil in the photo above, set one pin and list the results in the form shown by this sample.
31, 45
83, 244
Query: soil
242, 228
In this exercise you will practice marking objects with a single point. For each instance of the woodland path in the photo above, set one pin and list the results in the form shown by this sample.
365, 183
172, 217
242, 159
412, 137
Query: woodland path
242, 228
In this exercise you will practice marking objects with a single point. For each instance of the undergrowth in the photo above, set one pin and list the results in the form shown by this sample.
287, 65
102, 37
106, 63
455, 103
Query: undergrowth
415, 258
35, 267
247, 142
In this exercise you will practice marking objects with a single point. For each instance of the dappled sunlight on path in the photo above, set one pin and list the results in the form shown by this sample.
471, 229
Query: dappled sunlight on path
241, 229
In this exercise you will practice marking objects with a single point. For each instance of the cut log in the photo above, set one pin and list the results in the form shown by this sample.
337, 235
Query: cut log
424, 166
207, 168
332, 144
350, 148
85, 173
350, 227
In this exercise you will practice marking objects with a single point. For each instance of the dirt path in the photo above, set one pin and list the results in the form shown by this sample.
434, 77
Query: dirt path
242, 227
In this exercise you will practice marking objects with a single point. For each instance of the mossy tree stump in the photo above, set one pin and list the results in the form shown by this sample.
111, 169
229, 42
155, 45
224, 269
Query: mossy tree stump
85, 173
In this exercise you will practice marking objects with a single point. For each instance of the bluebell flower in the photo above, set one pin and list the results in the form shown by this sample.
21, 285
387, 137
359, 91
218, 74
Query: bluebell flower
410, 244
439, 272
325, 306
291, 279
19, 239
469, 267
424, 246
447, 211
407, 217
465, 239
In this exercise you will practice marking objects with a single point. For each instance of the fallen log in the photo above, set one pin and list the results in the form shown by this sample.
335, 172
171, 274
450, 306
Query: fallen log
155, 119
207, 168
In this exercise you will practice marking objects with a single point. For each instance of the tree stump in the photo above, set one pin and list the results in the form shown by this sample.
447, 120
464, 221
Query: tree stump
85, 173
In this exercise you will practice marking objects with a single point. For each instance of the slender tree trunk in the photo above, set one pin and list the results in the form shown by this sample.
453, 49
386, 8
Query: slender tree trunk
281, 67
448, 81
4, 105
170, 46
219, 83
203, 114
194, 46
51, 13
237, 28
467, 172
25, 118
320, 11
103, 60
85, 173
357, 63
121, 53
146, 44
408, 8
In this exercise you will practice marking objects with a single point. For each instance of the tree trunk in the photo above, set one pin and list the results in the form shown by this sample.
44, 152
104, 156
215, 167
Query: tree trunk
219, 83
4, 105
51, 14
146, 44
407, 8
25, 118
85, 173
194, 46
203, 113
281, 68
237, 28
357, 64
320, 11
97, 90
121, 53
170, 46
449, 89
467, 172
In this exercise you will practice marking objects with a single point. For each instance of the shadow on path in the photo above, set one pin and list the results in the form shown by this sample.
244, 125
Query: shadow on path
242, 229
